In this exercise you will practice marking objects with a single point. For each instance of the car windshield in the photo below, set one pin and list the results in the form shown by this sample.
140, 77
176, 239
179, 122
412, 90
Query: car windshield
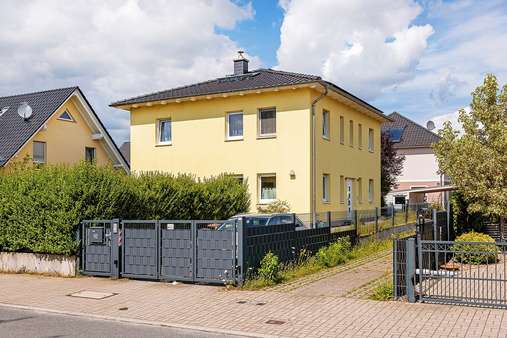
250, 222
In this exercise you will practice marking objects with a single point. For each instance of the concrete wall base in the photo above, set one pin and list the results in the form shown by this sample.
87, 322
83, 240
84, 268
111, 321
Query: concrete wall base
21, 262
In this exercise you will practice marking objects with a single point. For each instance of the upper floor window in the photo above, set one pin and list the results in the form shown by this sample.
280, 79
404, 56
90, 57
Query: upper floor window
90, 154
360, 136
342, 130
371, 140
351, 133
65, 116
39, 152
325, 124
325, 188
267, 122
235, 126
164, 132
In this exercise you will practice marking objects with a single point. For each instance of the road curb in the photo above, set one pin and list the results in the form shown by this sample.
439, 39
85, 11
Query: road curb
138, 321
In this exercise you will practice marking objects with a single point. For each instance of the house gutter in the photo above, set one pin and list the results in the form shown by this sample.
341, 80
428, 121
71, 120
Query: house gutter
314, 156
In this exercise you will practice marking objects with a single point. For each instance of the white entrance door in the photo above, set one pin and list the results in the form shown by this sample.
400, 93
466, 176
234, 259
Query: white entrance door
349, 198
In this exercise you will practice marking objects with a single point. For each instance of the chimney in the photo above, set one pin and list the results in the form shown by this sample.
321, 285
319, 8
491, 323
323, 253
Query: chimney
240, 64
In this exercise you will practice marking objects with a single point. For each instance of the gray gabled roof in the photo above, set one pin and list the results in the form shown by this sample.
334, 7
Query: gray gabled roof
125, 151
414, 135
255, 79
14, 130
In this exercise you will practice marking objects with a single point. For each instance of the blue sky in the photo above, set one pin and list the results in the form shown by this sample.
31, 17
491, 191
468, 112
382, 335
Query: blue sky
420, 58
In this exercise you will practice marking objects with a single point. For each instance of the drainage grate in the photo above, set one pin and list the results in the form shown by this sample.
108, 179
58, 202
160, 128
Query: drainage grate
275, 322
92, 294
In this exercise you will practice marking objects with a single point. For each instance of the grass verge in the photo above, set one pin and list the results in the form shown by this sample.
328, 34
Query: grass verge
383, 291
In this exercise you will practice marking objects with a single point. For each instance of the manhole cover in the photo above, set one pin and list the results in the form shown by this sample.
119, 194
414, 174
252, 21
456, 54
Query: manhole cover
275, 322
92, 294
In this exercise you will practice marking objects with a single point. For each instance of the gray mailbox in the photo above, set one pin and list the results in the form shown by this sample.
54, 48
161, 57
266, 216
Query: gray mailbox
95, 235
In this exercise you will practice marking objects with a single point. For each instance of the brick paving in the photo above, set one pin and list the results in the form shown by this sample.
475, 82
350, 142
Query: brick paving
214, 308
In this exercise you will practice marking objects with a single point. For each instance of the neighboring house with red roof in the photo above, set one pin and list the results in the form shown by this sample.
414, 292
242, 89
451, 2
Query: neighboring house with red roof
420, 168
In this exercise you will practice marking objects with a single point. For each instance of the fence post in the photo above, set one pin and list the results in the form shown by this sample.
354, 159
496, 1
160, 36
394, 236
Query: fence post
241, 268
115, 248
376, 221
193, 230
329, 219
410, 272
392, 216
406, 211
357, 225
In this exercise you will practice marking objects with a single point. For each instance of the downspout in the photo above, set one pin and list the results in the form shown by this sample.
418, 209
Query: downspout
314, 157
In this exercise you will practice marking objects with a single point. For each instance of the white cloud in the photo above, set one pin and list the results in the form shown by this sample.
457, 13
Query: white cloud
115, 49
363, 46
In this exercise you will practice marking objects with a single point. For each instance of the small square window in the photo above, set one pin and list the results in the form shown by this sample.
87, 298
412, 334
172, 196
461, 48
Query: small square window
325, 124
267, 122
267, 188
39, 152
325, 188
90, 154
235, 126
164, 132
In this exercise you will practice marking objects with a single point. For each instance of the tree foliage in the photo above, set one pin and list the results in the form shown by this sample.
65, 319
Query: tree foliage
476, 158
391, 165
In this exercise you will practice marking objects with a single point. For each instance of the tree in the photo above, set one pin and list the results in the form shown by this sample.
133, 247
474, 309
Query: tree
391, 165
476, 159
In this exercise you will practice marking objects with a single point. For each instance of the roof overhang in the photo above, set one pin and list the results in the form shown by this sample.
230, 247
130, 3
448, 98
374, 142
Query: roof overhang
427, 190
333, 91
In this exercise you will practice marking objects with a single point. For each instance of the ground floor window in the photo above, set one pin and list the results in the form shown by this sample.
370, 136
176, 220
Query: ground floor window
90, 154
370, 191
267, 188
325, 188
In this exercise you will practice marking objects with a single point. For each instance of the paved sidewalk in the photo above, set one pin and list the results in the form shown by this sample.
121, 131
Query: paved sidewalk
247, 312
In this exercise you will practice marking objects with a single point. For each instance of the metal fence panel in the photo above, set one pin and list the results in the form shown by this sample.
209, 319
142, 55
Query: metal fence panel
176, 250
140, 249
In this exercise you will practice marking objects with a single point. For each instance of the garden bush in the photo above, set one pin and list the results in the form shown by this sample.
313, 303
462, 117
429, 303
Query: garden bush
41, 207
269, 270
475, 253
336, 253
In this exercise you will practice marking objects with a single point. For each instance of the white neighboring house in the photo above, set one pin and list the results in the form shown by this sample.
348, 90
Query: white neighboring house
420, 169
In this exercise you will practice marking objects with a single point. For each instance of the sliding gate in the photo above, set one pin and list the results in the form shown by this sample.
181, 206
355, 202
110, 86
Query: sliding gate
172, 250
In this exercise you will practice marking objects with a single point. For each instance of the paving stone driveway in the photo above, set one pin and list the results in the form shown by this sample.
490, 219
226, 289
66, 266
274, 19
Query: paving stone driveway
246, 312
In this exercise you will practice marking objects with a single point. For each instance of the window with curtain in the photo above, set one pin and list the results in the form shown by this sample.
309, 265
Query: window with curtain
39, 152
267, 188
235, 126
164, 132
267, 122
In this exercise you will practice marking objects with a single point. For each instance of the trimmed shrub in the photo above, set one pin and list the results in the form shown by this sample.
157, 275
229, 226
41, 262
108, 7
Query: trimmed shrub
336, 253
269, 270
475, 253
40, 208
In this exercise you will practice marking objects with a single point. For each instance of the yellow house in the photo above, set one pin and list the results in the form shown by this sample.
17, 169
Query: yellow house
293, 137
55, 127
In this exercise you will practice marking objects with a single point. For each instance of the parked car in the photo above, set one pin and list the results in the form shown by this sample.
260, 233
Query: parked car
256, 220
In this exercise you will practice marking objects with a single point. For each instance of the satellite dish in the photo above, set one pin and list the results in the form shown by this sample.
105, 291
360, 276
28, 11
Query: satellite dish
4, 110
430, 125
24, 110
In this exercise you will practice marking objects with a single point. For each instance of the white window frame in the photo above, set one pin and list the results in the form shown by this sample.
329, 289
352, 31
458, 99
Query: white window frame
370, 190
326, 179
44, 147
325, 124
228, 134
159, 134
71, 119
371, 140
259, 189
259, 122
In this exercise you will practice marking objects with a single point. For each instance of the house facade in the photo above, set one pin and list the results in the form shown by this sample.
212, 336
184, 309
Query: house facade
290, 136
54, 127
420, 168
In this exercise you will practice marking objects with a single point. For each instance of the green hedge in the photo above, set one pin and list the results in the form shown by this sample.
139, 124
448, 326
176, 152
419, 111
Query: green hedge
40, 208
476, 253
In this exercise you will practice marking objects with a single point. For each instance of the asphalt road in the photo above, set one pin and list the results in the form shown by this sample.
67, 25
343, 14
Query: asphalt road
27, 323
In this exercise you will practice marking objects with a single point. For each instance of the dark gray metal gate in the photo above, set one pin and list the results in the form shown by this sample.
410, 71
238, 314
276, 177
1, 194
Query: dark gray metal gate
140, 249
176, 250
99, 240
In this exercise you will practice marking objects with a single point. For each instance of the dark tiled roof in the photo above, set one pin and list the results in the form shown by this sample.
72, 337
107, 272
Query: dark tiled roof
125, 151
256, 79
414, 135
14, 130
